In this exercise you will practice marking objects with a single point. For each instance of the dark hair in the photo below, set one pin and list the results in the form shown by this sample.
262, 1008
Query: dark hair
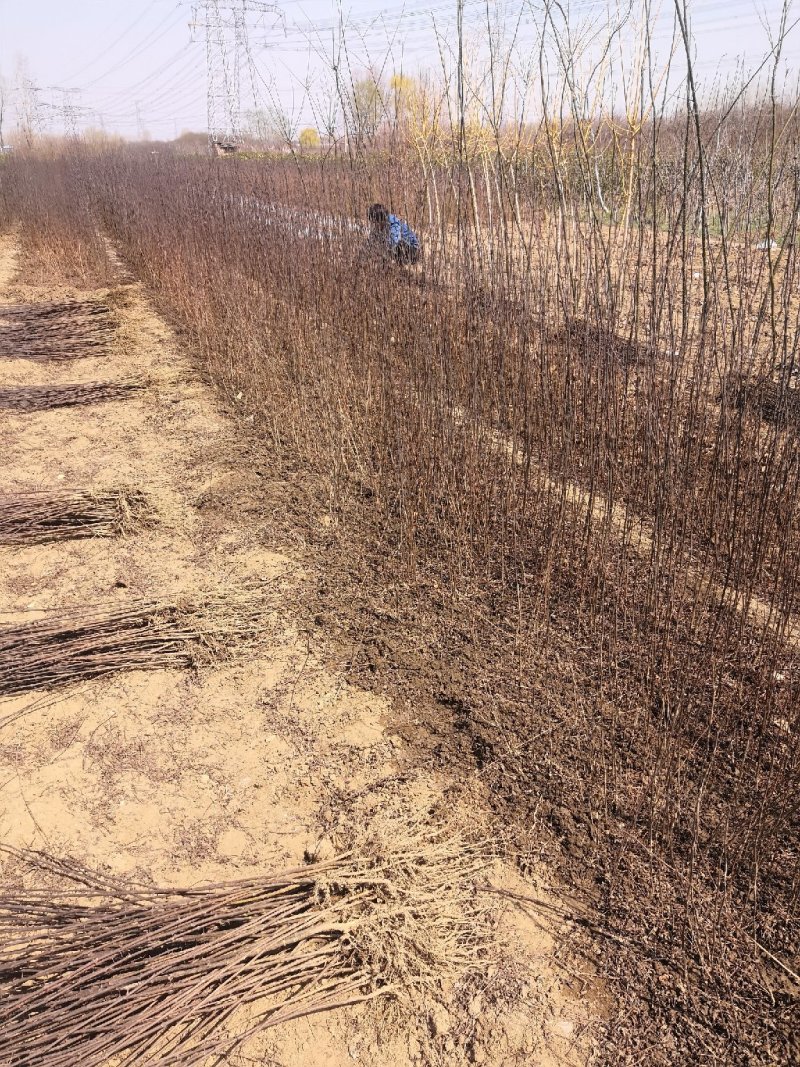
378, 213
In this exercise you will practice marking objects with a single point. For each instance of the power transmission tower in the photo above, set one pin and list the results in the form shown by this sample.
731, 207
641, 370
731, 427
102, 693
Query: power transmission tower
226, 25
69, 110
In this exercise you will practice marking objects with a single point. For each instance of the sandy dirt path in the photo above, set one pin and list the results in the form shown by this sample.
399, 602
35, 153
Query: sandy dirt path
241, 767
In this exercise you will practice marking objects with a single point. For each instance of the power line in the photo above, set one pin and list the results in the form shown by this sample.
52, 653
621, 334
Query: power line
114, 43
167, 97
230, 61
137, 86
153, 37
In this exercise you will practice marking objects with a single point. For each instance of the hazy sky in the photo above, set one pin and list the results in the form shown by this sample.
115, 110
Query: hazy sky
136, 65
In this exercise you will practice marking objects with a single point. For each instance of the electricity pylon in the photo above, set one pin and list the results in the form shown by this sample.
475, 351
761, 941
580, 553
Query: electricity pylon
68, 110
226, 25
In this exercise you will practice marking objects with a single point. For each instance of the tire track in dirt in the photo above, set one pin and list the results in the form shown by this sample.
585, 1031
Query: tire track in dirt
239, 768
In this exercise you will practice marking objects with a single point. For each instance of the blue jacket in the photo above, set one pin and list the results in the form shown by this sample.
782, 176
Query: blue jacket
401, 232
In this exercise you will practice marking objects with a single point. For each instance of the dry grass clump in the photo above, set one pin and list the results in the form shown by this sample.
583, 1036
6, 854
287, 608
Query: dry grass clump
46, 397
94, 969
141, 635
40, 515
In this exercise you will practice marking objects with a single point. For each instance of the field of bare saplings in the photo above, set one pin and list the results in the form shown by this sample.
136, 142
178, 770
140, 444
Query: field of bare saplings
562, 463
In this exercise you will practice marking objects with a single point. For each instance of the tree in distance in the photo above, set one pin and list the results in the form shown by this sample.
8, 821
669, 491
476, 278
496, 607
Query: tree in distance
309, 139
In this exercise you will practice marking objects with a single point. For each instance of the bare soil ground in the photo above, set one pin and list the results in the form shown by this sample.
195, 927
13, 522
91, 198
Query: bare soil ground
247, 766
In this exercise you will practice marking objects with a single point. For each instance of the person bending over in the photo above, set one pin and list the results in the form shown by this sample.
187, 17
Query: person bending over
394, 235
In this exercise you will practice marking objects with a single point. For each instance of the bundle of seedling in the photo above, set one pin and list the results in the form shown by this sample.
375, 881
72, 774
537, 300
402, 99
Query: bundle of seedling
54, 332
70, 647
587, 342
773, 402
46, 397
94, 970
53, 310
40, 515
